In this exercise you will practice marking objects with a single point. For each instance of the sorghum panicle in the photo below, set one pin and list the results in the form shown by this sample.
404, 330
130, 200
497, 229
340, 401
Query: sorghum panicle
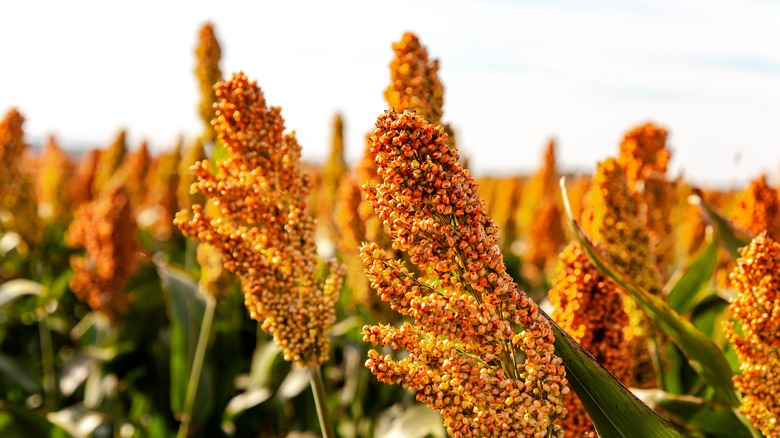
414, 80
465, 359
54, 169
545, 238
503, 205
333, 170
191, 154
541, 188
611, 218
757, 208
353, 232
263, 227
161, 200
18, 203
207, 56
756, 309
645, 157
110, 161
82, 186
215, 280
589, 307
106, 229
136, 168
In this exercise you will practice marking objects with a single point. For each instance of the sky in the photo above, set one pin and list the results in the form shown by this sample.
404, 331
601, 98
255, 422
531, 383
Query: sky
516, 74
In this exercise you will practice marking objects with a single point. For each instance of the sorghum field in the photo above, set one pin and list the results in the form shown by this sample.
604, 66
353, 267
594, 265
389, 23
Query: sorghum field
224, 287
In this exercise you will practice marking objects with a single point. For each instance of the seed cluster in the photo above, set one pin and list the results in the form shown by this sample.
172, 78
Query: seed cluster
645, 158
55, 170
611, 217
106, 229
757, 208
590, 308
414, 80
754, 331
18, 204
207, 56
466, 359
262, 225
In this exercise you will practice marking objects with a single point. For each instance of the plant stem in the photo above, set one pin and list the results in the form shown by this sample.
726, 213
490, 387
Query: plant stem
197, 366
44, 335
47, 361
320, 400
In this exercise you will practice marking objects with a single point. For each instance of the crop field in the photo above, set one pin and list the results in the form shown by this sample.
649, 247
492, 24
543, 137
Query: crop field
224, 287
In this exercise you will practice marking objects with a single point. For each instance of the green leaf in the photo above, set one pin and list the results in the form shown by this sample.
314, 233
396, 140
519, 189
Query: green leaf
702, 354
615, 411
187, 305
712, 419
730, 237
13, 289
682, 297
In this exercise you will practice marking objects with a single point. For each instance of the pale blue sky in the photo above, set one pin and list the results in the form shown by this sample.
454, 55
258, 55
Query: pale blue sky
515, 73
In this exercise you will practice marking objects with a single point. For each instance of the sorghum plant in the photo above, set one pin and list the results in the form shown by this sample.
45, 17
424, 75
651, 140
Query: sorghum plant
110, 161
207, 56
612, 218
162, 201
757, 208
541, 188
191, 154
81, 188
262, 226
480, 352
136, 168
755, 331
54, 169
590, 308
333, 170
18, 204
414, 80
106, 229
645, 158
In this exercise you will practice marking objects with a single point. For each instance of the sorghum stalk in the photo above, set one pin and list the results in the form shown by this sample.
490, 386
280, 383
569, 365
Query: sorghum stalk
479, 350
262, 225
197, 366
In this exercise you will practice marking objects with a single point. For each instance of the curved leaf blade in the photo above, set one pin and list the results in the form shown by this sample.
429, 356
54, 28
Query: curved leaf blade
712, 419
615, 411
731, 238
682, 297
187, 305
702, 354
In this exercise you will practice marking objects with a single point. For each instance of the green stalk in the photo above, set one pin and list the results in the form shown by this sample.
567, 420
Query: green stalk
44, 335
47, 361
318, 388
197, 366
